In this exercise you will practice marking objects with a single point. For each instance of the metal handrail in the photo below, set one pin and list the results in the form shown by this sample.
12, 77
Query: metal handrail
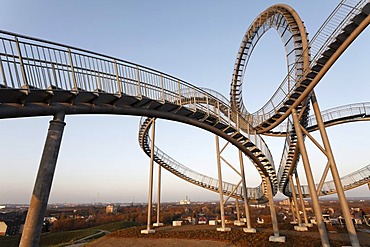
350, 181
347, 112
189, 174
34, 64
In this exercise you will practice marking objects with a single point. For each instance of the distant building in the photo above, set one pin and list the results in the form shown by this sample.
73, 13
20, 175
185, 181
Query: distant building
110, 209
14, 221
3, 228
185, 202
50, 219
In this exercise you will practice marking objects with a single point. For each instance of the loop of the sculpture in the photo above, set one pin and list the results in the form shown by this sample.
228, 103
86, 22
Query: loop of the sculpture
294, 37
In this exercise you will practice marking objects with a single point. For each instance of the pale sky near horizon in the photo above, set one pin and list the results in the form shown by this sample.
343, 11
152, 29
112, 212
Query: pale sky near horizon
197, 41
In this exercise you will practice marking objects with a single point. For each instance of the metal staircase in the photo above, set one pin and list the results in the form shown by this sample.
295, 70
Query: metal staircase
340, 24
256, 194
40, 78
340, 29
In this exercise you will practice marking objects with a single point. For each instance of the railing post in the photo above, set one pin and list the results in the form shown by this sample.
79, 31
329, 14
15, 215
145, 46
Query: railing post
179, 92
138, 82
3, 72
75, 89
119, 85
41, 191
162, 88
26, 85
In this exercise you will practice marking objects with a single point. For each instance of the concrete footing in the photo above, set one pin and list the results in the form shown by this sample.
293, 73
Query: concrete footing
308, 224
158, 224
280, 239
300, 228
238, 223
176, 223
146, 231
249, 230
221, 229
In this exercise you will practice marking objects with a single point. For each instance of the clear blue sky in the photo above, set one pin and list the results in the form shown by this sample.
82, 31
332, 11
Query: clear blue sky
197, 41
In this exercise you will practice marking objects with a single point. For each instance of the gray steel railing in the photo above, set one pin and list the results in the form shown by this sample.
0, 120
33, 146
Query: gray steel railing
33, 64
341, 113
345, 113
188, 174
350, 181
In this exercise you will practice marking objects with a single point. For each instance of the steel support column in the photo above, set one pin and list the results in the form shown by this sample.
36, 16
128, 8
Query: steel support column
249, 229
220, 188
301, 227
159, 197
294, 195
294, 219
311, 183
41, 191
275, 227
237, 209
150, 194
334, 172
300, 194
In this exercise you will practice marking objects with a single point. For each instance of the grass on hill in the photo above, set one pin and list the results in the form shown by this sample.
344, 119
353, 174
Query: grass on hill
68, 237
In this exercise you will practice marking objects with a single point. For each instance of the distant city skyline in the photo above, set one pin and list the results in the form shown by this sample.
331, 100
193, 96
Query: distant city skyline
196, 41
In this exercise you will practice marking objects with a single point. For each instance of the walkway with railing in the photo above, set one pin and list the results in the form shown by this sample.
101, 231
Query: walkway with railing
45, 77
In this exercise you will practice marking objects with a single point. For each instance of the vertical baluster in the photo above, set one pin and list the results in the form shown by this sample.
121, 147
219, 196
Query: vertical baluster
22, 66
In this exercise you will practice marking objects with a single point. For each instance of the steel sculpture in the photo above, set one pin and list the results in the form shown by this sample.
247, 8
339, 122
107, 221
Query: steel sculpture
43, 78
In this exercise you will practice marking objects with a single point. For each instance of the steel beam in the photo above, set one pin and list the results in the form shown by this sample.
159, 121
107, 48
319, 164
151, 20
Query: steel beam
41, 191
335, 174
311, 183
294, 195
159, 197
220, 188
275, 227
249, 229
150, 194
302, 200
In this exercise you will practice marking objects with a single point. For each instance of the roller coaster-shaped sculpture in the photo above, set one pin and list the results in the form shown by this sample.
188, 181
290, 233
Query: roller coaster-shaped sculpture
41, 78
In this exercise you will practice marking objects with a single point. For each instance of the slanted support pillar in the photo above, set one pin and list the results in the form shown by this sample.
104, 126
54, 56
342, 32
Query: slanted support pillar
237, 207
306, 223
223, 227
294, 196
159, 197
334, 172
275, 227
311, 183
294, 219
150, 194
249, 229
41, 191
300, 227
